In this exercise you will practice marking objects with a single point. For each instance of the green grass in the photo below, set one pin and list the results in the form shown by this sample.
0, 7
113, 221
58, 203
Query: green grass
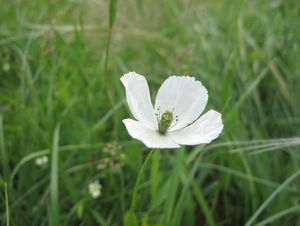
60, 63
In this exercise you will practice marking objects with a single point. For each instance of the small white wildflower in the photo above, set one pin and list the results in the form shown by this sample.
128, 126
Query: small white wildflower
175, 119
6, 67
41, 161
95, 189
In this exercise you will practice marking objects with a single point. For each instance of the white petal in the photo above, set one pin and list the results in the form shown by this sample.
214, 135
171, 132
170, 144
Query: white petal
151, 138
185, 95
207, 128
138, 98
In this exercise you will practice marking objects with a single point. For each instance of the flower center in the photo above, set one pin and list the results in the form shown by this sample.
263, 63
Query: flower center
165, 121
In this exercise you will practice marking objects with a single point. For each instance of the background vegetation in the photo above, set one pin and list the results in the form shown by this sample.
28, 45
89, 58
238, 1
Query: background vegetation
60, 64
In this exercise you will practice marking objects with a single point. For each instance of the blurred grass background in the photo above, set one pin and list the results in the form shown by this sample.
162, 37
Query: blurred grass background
60, 64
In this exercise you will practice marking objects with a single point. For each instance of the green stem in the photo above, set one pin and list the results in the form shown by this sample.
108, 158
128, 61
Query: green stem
107, 51
3, 153
54, 198
6, 204
136, 188
106, 81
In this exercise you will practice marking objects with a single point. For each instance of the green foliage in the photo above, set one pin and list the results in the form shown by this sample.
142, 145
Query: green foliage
60, 63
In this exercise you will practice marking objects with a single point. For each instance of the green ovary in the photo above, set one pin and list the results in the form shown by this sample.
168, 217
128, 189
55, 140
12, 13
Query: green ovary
165, 122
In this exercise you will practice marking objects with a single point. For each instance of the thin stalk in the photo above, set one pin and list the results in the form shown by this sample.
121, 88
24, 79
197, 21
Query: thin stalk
54, 202
3, 154
6, 204
105, 80
136, 187
122, 195
107, 51
112, 11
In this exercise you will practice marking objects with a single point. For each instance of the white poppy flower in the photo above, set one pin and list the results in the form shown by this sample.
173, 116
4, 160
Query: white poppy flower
95, 189
175, 119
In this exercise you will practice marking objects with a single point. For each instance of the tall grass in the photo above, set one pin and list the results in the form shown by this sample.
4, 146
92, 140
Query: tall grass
53, 58
54, 210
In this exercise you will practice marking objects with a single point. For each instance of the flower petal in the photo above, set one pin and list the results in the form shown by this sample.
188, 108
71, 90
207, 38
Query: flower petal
185, 95
151, 138
138, 98
207, 128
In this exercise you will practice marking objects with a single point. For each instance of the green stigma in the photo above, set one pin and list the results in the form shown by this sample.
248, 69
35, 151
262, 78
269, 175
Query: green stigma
165, 122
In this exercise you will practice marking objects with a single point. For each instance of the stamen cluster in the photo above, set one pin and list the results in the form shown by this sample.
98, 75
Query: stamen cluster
165, 120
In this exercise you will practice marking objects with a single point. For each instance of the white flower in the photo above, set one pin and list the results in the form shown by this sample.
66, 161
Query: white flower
175, 119
95, 189
41, 161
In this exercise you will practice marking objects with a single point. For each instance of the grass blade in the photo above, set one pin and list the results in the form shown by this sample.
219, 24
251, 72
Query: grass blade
271, 197
203, 204
112, 12
3, 155
54, 204
6, 204
174, 181
242, 175
276, 216
72, 147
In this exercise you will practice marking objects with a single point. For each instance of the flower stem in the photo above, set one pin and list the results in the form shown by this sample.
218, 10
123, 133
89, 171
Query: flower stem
136, 188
